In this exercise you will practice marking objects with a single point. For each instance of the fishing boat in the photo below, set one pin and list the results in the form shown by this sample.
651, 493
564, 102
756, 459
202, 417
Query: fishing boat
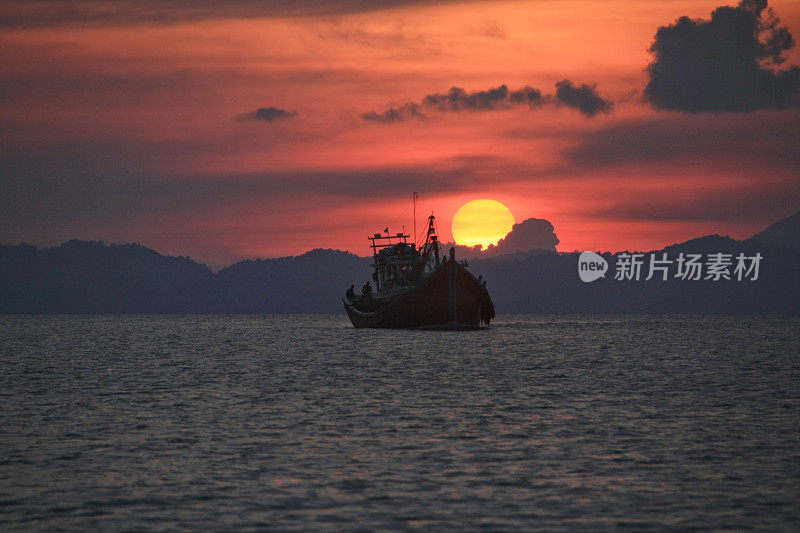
417, 288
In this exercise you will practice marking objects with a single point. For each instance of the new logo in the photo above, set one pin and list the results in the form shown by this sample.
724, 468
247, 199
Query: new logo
591, 266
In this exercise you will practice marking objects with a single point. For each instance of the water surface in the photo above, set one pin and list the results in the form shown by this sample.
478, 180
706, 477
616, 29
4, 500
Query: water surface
301, 422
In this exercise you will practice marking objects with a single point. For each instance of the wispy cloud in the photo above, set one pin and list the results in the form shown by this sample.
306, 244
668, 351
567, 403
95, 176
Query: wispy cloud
766, 140
584, 98
42, 13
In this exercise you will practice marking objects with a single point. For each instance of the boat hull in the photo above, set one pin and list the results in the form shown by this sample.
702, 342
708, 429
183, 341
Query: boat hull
450, 297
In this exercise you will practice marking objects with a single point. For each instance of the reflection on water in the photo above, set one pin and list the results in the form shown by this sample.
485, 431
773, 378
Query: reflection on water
553, 422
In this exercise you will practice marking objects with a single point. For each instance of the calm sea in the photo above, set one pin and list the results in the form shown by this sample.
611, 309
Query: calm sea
301, 422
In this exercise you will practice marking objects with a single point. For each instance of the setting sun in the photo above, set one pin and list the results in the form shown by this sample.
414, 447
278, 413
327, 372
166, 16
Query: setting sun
481, 222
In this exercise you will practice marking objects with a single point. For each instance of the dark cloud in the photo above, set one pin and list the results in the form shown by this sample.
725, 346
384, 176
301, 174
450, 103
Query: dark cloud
398, 114
584, 98
533, 234
727, 63
42, 13
268, 114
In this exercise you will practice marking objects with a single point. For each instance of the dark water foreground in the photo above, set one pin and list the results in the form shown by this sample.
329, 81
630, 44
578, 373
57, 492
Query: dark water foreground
301, 422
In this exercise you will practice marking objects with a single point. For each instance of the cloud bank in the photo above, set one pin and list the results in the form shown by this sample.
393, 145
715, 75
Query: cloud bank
727, 63
584, 98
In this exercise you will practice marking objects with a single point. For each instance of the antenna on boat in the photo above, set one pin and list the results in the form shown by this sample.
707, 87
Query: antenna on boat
414, 202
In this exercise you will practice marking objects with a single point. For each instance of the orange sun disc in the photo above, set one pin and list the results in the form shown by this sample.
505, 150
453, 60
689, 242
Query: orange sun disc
481, 222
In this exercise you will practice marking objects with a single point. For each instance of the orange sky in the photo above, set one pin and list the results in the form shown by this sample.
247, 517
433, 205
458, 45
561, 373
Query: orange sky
129, 127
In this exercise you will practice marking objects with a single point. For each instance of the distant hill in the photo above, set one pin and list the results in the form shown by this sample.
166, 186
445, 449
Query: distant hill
550, 284
784, 233
310, 283
92, 277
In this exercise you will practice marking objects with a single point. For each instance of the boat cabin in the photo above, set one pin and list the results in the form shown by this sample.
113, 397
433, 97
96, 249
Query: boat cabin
398, 263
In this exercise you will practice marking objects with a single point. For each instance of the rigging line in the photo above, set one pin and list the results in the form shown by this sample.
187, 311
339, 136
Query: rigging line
418, 236
402, 213
423, 231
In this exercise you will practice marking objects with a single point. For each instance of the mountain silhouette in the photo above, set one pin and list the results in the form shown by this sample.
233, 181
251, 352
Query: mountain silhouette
549, 283
784, 233
92, 277
310, 283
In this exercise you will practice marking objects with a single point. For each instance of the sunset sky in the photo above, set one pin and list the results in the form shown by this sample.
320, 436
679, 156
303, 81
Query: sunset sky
261, 130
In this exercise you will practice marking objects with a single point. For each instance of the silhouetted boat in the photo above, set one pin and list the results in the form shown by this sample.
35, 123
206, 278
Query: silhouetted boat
416, 289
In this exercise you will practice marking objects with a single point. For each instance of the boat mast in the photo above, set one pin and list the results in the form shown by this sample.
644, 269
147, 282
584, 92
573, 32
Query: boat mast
431, 244
414, 209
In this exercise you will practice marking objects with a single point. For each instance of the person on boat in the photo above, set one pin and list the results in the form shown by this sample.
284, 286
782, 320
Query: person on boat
351, 293
366, 289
